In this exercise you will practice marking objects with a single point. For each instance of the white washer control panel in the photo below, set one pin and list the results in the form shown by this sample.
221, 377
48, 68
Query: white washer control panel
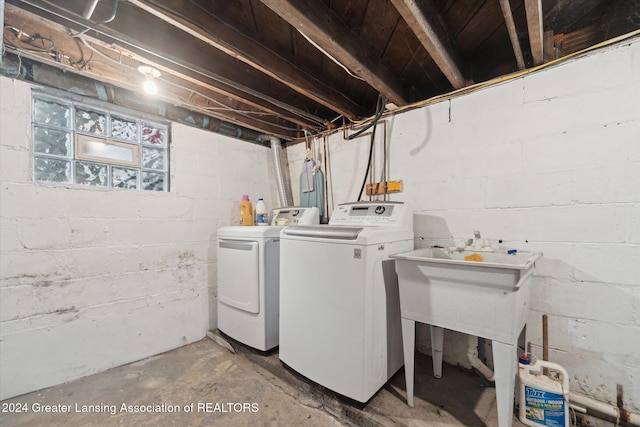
370, 213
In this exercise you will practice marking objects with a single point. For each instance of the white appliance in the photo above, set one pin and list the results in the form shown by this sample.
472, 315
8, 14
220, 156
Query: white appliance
248, 277
339, 304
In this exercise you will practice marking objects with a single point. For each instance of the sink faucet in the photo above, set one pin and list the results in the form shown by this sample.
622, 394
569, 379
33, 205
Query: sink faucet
477, 243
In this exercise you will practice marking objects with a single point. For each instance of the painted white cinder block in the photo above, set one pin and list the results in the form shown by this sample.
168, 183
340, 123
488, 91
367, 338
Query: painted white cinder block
522, 190
547, 162
93, 278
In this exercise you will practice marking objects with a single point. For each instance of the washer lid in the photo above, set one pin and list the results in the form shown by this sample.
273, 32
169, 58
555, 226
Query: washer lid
347, 235
324, 232
249, 232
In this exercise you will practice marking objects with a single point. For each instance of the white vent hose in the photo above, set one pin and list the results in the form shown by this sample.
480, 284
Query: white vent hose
284, 193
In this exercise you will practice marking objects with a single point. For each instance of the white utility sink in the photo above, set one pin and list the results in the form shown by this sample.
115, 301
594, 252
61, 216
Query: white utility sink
488, 298
492, 259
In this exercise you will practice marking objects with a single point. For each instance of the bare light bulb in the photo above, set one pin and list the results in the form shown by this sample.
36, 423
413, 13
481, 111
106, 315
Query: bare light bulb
149, 73
150, 87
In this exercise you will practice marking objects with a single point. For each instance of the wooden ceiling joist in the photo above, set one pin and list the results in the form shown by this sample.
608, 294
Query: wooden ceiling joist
513, 33
318, 23
422, 18
242, 86
536, 32
221, 36
72, 56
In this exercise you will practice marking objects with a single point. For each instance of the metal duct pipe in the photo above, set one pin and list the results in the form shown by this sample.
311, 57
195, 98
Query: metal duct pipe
284, 193
89, 9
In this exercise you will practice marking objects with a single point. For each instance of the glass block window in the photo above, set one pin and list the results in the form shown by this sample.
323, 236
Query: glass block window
91, 145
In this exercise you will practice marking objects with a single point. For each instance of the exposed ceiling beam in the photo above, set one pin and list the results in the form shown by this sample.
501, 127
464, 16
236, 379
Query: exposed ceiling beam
183, 53
422, 18
319, 24
513, 34
89, 57
536, 32
216, 33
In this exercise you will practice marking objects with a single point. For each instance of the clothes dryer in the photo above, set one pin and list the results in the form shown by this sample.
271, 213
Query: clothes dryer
248, 277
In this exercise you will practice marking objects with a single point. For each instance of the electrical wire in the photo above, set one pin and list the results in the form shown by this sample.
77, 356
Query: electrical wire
492, 82
18, 33
242, 113
57, 56
515, 75
379, 110
328, 55
381, 102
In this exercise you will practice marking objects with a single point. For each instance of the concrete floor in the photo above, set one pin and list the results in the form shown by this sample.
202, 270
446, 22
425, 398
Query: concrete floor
205, 384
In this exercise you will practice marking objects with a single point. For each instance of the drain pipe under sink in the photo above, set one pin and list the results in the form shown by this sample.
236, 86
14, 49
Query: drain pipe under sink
472, 354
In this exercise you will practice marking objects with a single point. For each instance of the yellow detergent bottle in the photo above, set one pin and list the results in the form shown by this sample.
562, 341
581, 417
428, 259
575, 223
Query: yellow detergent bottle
246, 211
543, 401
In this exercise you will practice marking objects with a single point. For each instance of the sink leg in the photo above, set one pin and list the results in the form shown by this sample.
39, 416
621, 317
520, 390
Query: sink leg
437, 336
408, 347
505, 368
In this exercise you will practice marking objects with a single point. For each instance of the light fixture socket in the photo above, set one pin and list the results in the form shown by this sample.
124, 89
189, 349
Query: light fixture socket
150, 74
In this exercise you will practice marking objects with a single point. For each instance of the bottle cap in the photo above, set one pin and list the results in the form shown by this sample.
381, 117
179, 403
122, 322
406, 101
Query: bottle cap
524, 359
245, 197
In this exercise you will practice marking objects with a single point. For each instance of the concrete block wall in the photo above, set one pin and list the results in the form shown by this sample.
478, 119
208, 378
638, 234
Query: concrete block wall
546, 162
95, 278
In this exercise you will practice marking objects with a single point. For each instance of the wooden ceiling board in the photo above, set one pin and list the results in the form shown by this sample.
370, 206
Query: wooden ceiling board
204, 57
273, 31
237, 13
567, 16
401, 48
456, 15
485, 22
351, 12
621, 18
245, 61
423, 78
380, 22
308, 57
498, 42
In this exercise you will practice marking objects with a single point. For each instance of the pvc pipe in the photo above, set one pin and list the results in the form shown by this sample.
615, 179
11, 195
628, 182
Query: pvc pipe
604, 409
472, 355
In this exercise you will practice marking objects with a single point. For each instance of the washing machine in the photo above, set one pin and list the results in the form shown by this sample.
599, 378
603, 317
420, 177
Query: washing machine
339, 304
248, 277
